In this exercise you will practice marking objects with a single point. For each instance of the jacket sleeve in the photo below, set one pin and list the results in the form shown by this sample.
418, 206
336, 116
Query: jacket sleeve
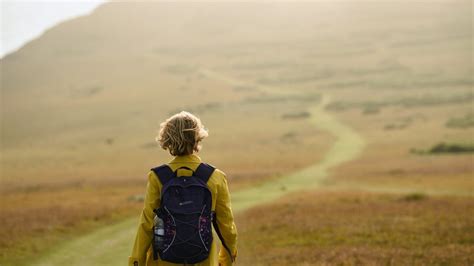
144, 237
225, 222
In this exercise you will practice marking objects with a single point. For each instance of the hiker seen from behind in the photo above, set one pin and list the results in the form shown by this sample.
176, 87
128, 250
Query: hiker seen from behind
187, 206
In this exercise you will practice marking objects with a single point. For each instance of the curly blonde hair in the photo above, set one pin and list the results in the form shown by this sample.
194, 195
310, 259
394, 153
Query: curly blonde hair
181, 134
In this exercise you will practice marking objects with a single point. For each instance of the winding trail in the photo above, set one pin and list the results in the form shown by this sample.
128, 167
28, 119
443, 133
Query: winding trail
347, 146
111, 245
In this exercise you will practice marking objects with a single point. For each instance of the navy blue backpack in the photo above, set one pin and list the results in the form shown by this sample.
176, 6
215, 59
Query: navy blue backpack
185, 209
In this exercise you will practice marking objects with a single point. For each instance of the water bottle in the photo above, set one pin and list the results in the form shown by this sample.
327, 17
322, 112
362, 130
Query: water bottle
159, 231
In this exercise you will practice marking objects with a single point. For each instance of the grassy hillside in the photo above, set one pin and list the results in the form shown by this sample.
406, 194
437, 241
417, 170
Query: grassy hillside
90, 92
81, 105
348, 228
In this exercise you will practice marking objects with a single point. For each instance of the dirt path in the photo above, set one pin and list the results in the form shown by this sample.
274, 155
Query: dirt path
112, 245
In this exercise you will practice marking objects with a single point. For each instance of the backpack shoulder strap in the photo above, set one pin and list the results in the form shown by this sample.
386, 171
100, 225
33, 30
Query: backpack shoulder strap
164, 173
218, 231
204, 171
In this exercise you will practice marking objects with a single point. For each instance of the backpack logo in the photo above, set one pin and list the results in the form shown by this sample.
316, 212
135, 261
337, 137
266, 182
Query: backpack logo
186, 202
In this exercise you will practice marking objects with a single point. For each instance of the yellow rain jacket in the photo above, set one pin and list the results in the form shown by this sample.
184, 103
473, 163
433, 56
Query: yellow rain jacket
142, 252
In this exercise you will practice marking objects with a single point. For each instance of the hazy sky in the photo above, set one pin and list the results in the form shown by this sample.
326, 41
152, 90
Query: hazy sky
22, 21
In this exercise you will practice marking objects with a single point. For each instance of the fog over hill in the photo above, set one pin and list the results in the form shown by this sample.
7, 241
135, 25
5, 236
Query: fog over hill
84, 100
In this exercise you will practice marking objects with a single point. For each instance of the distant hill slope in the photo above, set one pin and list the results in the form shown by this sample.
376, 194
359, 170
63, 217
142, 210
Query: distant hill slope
84, 100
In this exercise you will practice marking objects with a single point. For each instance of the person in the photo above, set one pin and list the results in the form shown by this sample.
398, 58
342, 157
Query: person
181, 135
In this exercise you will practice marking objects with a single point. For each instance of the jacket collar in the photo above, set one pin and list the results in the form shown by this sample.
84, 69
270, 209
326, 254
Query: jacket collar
190, 158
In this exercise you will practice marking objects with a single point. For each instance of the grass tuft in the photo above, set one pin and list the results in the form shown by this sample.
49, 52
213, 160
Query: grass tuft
466, 121
442, 148
414, 197
297, 115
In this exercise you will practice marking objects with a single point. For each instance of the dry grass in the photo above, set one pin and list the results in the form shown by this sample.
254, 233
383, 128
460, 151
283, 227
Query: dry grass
349, 228
86, 118
32, 221
388, 162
